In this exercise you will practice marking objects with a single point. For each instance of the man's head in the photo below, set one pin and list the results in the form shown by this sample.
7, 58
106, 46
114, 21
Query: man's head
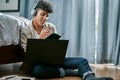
41, 12
43, 5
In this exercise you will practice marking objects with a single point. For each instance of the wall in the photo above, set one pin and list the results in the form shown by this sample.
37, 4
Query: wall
12, 7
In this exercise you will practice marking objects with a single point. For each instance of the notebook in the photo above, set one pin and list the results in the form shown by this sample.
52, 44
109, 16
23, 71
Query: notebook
46, 51
54, 36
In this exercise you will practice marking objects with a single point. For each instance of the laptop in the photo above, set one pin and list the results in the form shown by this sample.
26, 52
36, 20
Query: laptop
45, 51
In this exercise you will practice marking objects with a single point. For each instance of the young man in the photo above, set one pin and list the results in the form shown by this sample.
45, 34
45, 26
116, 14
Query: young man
39, 28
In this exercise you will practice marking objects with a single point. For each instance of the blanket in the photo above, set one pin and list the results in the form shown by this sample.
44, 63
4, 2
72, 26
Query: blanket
10, 27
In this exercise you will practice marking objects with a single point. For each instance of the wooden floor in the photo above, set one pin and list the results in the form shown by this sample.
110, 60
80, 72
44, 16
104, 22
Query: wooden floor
100, 70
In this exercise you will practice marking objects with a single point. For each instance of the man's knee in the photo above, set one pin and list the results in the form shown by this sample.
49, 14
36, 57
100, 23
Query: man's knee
81, 59
37, 71
44, 71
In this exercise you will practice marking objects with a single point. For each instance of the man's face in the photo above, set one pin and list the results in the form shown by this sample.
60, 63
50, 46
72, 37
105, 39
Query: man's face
41, 17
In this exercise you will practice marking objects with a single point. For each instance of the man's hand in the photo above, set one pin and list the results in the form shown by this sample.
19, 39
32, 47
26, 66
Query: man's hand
46, 32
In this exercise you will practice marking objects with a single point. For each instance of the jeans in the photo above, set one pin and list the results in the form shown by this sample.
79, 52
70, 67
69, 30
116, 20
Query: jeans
70, 63
77, 63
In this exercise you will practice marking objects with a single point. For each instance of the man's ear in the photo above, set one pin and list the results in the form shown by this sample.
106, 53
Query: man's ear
34, 12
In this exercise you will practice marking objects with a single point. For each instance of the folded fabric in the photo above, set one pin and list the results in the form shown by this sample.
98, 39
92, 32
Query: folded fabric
16, 77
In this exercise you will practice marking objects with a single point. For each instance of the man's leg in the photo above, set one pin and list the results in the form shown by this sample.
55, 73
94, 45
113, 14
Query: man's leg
83, 67
47, 71
77, 63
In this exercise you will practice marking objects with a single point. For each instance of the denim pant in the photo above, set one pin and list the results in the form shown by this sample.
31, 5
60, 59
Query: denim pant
70, 63
77, 63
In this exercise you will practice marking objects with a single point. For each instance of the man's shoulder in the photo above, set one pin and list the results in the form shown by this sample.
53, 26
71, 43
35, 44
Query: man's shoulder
49, 24
27, 26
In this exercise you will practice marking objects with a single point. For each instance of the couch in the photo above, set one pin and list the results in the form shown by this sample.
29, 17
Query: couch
10, 49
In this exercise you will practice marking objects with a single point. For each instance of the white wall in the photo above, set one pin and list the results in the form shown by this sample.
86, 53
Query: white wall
10, 5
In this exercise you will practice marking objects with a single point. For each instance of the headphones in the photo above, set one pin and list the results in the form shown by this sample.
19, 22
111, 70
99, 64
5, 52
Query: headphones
34, 11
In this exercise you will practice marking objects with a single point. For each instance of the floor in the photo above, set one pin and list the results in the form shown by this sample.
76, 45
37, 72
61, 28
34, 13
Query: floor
100, 70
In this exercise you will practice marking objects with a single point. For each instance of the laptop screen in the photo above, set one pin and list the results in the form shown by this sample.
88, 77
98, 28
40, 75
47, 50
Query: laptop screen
46, 51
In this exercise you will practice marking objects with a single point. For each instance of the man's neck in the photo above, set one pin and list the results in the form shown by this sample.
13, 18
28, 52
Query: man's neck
37, 27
